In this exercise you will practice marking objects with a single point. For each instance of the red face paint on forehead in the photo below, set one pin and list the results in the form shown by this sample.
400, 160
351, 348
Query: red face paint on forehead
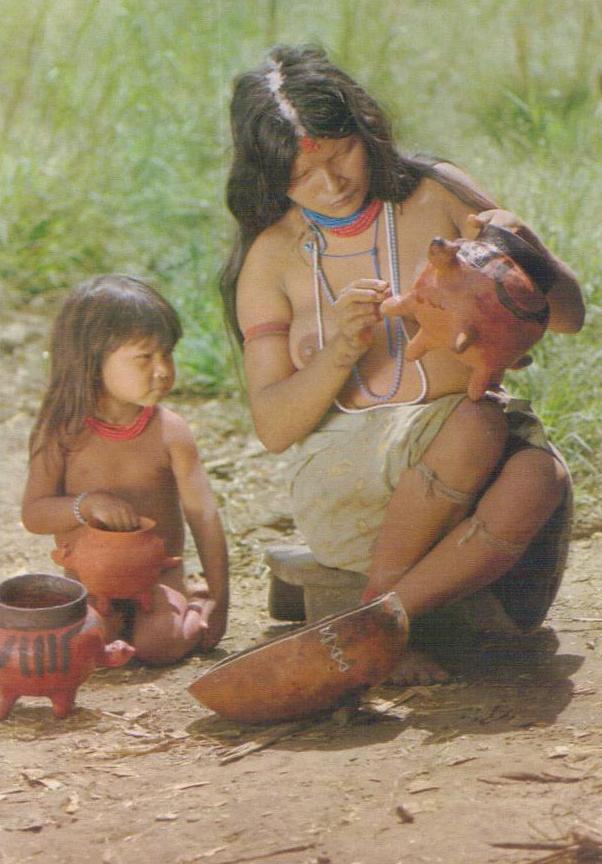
309, 145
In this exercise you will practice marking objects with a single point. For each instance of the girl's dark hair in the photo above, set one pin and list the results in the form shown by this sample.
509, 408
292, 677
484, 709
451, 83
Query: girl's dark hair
98, 317
329, 104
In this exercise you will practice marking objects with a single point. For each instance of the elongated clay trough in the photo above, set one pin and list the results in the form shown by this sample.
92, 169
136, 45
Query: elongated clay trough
310, 669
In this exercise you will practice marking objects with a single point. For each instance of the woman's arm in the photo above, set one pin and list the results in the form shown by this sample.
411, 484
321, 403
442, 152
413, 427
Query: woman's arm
287, 403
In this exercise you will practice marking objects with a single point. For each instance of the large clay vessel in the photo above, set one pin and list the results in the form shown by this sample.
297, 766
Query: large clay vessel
50, 641
310, 669
483, 299
116, 564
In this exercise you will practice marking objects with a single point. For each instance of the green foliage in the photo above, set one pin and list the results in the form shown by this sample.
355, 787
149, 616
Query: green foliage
115, 146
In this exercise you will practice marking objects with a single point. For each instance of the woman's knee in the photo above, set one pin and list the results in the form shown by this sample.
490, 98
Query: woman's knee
470, 444
530, 486
482, 424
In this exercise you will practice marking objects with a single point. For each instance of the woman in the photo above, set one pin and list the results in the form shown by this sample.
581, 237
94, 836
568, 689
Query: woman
391, 459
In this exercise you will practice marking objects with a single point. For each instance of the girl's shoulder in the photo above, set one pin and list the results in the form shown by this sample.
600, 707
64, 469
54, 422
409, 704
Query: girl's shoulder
172, 427
168, 418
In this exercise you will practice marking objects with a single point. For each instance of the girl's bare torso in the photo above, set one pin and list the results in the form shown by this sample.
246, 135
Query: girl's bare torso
138, 471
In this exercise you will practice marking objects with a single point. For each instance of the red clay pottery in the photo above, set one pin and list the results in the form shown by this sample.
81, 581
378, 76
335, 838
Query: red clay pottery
310, 669
483, 299
116, 564
50, 641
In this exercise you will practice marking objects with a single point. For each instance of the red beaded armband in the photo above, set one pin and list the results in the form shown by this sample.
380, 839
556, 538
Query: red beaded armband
267, 328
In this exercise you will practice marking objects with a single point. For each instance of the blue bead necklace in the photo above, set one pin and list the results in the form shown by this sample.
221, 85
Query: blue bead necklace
395, 339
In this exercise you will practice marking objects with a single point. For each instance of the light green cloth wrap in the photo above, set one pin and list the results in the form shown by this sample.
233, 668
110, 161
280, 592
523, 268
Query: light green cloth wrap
343, 474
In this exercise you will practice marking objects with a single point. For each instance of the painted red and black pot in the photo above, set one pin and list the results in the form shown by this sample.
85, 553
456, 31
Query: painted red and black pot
50, 641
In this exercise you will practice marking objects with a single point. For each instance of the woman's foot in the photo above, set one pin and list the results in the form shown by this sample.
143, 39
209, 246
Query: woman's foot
416, 667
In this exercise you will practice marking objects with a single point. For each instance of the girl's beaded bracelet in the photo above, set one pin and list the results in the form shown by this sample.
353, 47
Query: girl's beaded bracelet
76, 508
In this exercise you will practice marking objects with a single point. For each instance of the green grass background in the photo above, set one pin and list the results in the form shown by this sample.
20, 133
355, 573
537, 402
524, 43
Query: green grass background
114, 145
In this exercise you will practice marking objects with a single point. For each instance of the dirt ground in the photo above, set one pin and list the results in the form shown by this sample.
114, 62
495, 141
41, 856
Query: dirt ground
503, 764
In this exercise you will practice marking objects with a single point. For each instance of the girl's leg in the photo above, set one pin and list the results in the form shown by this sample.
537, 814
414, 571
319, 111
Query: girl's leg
437, 493
170, 631
113, 617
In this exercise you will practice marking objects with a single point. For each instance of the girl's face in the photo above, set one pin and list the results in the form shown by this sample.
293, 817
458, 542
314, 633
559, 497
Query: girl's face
333, 178
139, 372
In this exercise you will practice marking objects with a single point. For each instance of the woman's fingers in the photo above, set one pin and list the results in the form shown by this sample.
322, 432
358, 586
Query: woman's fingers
363, 291
357, 310
500, 218
394, 306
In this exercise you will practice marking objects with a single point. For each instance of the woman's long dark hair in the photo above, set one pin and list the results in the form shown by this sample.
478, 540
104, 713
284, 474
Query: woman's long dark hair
98, 317
329, 104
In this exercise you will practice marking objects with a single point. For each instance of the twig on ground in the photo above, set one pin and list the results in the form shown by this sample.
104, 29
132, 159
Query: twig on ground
581, 845
258, 856
266, 740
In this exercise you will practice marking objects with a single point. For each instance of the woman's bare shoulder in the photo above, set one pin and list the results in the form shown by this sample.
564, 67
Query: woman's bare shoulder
454, 182
276, 243
451, 193
261, 288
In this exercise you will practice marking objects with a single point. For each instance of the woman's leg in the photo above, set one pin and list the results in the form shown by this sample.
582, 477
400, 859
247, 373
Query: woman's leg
481, 548
431, 498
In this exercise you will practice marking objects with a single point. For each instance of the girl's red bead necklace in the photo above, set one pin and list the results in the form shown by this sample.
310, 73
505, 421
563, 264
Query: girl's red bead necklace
120, 432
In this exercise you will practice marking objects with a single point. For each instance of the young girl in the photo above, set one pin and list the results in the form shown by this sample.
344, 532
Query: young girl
393, 468
104, 450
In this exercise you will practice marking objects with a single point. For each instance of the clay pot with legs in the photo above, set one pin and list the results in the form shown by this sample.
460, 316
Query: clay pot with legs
50, 641
120, 565
483, 299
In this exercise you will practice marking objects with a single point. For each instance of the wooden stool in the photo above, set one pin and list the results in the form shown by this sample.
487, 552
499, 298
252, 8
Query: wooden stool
301, 589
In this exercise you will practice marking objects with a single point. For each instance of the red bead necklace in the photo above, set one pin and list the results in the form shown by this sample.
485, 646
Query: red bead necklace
364, 219
121, 432
347, 226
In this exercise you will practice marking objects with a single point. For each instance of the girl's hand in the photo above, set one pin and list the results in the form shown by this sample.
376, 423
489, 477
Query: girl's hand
357, 310
109, 511
498, 218
213, 619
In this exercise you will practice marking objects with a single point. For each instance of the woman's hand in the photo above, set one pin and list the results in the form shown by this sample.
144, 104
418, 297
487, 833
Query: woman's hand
109, 511
357, 310
499, 218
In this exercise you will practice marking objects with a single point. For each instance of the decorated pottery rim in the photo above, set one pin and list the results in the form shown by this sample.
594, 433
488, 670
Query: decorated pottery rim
389, 600
522, 253
20, 595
